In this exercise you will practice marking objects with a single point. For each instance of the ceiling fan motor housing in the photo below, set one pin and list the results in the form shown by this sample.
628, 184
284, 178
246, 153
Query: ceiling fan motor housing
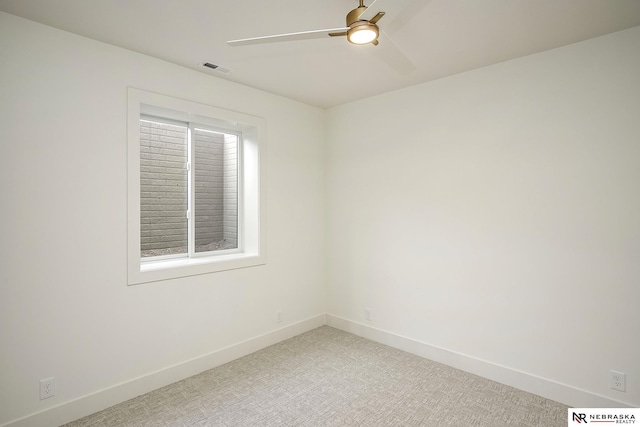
361, 31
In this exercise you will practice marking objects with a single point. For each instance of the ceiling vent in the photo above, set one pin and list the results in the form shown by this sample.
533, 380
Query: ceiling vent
214, 67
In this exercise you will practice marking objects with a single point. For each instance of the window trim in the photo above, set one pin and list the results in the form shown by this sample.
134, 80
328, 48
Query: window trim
251, 179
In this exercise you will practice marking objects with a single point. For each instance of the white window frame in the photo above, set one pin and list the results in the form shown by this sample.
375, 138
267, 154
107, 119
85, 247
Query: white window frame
251, 195
190, 172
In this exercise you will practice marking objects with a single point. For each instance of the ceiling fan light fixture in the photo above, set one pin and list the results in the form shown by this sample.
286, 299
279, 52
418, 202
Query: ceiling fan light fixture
362, 32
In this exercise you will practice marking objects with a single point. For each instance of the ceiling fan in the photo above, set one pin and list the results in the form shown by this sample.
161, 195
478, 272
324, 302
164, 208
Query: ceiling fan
362, 28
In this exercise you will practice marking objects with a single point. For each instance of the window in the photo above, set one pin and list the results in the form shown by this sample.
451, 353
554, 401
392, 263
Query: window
194, 189
188, 189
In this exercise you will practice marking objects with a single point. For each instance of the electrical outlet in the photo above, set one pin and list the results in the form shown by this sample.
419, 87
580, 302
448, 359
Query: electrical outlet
367, 313
618, 380
47, 388
279, 316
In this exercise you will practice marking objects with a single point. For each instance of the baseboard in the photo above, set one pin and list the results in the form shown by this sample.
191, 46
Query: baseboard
102, 399
549, 389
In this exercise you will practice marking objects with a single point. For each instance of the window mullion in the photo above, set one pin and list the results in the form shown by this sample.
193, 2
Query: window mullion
240, 192
190, 194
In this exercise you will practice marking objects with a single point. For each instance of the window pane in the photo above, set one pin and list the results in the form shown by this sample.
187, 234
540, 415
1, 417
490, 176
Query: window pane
163, 188
216, 190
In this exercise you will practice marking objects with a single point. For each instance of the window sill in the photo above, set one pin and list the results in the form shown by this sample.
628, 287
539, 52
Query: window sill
153, 271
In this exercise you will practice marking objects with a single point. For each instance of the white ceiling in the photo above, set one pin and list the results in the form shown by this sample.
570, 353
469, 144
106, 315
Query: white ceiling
441, 37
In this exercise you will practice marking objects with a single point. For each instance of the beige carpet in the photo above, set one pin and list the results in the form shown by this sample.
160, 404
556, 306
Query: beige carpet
327, 377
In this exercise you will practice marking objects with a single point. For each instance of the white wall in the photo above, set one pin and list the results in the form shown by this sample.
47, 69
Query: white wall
495, 214
65, 308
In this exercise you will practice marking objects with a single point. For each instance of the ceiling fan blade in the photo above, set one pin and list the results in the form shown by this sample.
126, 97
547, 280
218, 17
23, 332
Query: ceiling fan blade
391, 55
393, 9
304, 35
371, 11
411, 9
